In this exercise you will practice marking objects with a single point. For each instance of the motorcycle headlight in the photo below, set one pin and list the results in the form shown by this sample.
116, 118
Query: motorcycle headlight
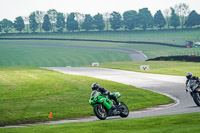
95, 99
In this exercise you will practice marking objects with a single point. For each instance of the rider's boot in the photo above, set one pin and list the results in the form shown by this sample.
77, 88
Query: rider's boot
113, 111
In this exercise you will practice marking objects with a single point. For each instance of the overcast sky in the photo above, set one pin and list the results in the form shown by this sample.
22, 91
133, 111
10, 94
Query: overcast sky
11, 9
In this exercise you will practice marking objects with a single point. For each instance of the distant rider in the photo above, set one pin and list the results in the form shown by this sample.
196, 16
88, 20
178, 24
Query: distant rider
103, 91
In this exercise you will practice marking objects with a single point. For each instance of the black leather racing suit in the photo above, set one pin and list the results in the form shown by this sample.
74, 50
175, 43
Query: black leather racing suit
110, 95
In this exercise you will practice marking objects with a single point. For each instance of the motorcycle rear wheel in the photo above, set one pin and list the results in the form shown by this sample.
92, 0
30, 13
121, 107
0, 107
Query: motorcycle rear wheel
124, 112
100, 112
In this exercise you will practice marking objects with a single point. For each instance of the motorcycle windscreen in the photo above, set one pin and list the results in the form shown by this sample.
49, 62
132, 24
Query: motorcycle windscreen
93, 93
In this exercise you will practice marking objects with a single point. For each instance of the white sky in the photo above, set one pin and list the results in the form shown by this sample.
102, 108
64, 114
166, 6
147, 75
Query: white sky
11, 9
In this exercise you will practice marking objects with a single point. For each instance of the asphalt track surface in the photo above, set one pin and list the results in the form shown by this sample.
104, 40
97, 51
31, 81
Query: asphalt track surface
171, 86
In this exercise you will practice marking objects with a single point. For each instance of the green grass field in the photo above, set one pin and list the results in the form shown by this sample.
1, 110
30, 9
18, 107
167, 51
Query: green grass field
24, 53
46, 53
169, 36
29, 94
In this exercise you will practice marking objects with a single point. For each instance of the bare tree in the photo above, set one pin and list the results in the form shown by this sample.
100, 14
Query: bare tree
39, 15
182, 10
52, 16
106, 17
167, 14
80, 18
26, 21
65, 15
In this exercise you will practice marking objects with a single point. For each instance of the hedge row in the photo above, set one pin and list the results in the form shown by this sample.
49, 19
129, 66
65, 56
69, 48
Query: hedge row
186, 58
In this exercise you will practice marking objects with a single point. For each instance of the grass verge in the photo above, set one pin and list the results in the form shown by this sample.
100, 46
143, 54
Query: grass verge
29, 94
158, 67
184, 123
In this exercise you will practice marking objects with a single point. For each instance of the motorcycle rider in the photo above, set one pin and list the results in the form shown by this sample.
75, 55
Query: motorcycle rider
95, 86
190, 76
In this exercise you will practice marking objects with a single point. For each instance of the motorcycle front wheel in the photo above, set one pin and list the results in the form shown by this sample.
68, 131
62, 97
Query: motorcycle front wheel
196, 98
100, 112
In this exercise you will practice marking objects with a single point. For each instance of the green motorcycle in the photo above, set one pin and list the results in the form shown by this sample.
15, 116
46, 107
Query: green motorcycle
103, 106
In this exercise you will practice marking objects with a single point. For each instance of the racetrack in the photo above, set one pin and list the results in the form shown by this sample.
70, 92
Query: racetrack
133, 54
172, 86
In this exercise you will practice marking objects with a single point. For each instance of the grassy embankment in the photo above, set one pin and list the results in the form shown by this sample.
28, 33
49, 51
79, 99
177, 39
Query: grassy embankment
29, 94
158, 67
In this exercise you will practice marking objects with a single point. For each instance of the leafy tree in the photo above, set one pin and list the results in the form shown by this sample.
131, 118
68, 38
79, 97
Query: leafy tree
99, 22
7, 25
46, 25
115, 20
145, 18
88, 22
72, 24
174, 19
39, 15
193, 19
130, 19
33, 22
159, 20
19, 24
182, 11
60, 22
52, 16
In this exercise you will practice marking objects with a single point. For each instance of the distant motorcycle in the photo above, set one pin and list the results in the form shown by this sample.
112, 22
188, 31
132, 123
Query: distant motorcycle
102, 105
193, 88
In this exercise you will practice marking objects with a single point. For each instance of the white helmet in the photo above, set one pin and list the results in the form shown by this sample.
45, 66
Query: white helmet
188, 75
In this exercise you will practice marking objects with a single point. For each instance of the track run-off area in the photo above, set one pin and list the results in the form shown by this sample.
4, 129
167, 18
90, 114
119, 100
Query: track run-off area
171, 86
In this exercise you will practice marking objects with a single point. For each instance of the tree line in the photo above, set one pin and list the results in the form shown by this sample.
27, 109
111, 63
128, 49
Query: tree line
53, 21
